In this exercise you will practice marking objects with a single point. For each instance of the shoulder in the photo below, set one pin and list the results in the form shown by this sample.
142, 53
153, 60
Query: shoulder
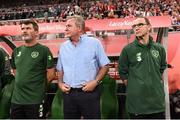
158, 46
87, 38
129, 49
130, 46
1, 50
66, 42
42, 46
19, 48
43, 49
92, 41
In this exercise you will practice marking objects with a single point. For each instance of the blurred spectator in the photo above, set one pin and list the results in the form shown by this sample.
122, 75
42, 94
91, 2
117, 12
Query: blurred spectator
175, 20
58, 10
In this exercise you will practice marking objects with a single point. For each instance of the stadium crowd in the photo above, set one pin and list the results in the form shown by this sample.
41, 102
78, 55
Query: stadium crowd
58, 10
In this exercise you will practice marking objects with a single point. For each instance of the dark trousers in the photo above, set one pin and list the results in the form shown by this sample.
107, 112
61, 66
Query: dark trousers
160, 115
29, 111
79, 104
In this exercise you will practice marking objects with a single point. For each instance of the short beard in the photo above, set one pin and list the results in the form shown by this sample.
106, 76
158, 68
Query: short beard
141, 37
27, 39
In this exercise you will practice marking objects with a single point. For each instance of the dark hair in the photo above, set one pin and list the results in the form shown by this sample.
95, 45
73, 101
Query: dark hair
35, 25
164, 10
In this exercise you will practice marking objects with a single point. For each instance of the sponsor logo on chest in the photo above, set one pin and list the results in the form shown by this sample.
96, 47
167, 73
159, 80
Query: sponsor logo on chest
34, 54
138, 57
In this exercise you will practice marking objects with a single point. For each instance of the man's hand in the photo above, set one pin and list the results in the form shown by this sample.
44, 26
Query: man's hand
90, 86
64, 87
125, 82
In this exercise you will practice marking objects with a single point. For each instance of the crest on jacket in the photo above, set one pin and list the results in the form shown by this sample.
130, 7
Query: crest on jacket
155, 53
34, 54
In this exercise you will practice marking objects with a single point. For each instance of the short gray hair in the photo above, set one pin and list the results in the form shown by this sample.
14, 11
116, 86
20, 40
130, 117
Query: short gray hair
79, 21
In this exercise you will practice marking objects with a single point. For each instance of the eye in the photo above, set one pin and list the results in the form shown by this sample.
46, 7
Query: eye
138, 25
28, 28
68, 25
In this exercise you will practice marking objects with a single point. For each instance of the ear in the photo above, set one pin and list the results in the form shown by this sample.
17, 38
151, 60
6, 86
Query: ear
149, 28
36, 33
79, 28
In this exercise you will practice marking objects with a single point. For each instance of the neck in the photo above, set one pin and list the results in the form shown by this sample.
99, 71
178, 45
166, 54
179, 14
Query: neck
31, 43
144, 39
75, 39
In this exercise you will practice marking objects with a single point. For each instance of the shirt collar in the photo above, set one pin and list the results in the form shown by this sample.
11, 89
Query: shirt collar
80, 38
139, 44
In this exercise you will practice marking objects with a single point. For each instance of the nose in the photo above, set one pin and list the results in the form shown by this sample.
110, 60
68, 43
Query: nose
136, 28
66, 29
24, 30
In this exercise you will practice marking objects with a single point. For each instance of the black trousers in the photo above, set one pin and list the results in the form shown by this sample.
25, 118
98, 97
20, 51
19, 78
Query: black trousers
79, 104
160, 115
28, 111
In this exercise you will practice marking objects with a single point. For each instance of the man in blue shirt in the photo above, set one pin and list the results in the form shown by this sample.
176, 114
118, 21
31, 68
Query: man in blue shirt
82, 63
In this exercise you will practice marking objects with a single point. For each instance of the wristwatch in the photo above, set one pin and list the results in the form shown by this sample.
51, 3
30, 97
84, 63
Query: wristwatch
99, 82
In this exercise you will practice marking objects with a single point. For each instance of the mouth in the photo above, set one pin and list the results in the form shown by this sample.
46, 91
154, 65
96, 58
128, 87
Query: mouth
66, 34
24, 35
137, 31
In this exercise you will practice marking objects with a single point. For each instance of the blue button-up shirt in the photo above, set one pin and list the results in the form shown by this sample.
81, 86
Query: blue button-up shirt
81, 63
